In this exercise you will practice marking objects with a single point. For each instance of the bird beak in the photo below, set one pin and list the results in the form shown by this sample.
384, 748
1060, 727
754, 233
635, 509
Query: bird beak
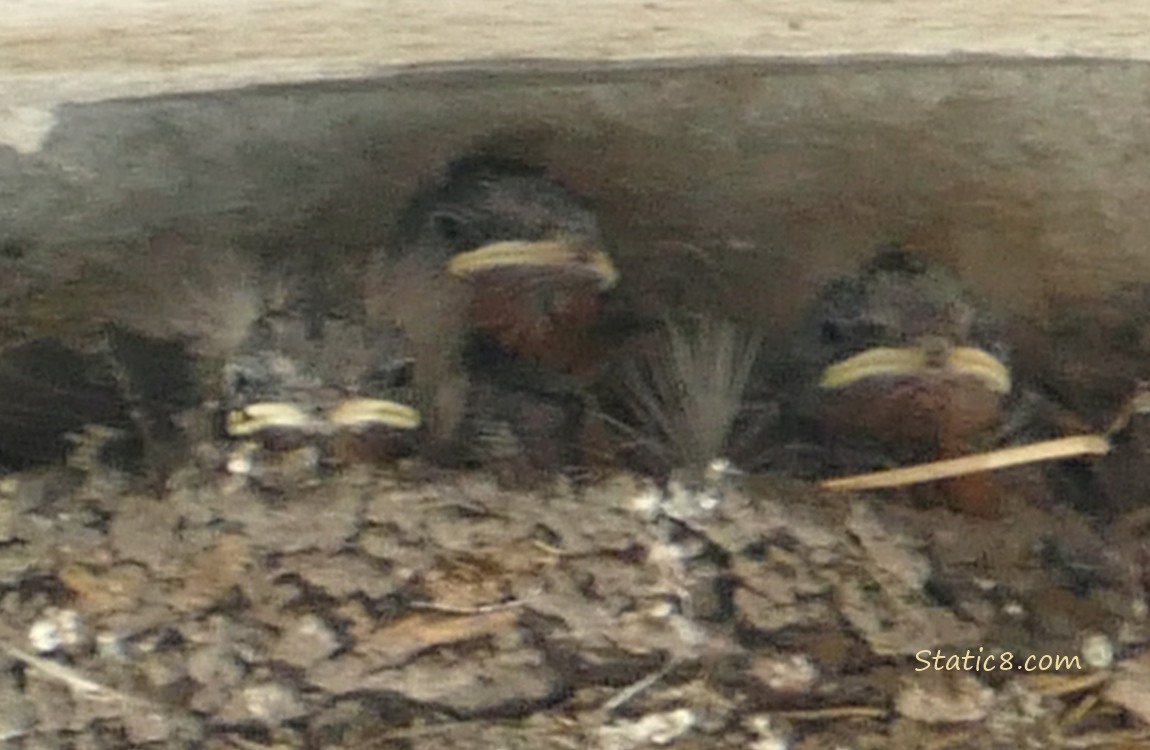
887, 362
267, 415
353, 413
558, 255
367, 412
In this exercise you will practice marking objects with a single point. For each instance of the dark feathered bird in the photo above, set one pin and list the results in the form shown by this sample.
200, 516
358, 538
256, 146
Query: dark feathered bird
481, 310
495, 279
111, 339
163, 328
899, 362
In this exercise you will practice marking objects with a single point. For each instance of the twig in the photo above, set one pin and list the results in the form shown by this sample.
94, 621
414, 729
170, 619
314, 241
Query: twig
482, 609
625, 695
246, 744
833, 712
1048, 450
1117, 739
1138, 403
78, 682
1079, 711
1061, 685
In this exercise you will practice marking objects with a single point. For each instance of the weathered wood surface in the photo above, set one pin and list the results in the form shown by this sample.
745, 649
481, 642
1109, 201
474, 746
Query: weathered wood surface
89, 50
71, 35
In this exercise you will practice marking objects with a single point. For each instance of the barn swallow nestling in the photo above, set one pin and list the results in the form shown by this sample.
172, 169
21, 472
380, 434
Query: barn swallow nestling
901, 359
162, 328
108, 342
495, 279
283, 370
287, 387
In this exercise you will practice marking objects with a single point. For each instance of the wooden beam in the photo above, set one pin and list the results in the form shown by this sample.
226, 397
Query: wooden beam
54, 51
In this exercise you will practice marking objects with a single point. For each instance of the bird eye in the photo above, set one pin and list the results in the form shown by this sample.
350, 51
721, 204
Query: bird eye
830, 333
447, 227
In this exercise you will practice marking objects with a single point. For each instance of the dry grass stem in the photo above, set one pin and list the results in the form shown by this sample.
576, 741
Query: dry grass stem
76, 681
1048, 450
834, 712
449, 609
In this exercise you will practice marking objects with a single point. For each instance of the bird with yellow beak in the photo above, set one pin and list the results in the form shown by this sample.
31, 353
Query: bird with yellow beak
900, 362
495, 279
154, 333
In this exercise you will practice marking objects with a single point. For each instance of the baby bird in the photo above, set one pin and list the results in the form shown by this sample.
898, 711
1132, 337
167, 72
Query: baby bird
176, 324
900, 361
495, 281
109, 341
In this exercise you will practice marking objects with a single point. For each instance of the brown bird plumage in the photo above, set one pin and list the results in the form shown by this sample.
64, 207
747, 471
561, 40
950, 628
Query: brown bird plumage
495, 279
900, 362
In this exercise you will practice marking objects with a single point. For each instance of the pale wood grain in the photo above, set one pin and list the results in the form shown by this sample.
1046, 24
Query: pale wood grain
63, 35
56, 50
